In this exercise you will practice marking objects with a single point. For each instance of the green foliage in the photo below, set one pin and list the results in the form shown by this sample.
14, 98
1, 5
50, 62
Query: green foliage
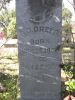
11, 28
10, 83
66, 25
66, 15
66, 18
67, 67
68, 70
8, 18
70, 85
67, 28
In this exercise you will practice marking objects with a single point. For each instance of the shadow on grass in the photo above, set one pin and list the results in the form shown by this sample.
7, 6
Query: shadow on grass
10, 84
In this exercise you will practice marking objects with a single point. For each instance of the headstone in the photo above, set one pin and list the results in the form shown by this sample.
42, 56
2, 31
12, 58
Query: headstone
39, 39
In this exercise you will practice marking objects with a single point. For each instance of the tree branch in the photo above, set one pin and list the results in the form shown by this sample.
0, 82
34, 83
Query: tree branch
72, 4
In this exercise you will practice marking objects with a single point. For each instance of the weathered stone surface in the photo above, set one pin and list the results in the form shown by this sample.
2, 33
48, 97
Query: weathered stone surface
39, 29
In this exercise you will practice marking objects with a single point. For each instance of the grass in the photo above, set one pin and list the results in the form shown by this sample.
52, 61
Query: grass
9, 74
11, 87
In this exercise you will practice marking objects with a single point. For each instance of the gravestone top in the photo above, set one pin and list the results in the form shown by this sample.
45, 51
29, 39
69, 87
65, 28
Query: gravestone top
38, 28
